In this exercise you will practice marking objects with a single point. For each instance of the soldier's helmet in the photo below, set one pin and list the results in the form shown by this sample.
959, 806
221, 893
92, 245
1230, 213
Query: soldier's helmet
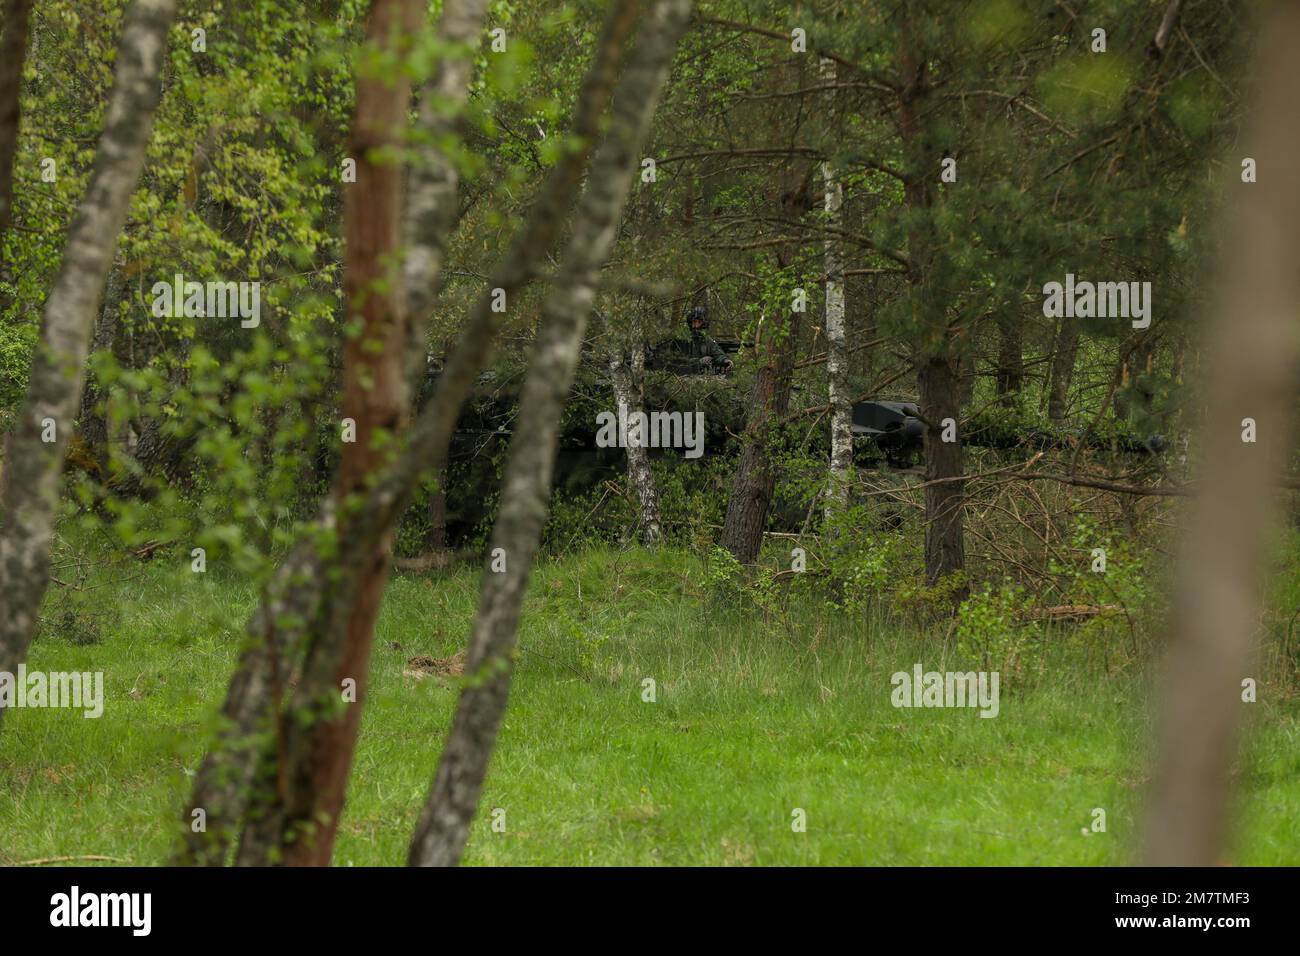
697, 318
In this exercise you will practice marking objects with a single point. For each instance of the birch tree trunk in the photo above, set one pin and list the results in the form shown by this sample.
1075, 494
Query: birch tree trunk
837, 496
31, 475
640, 476
626, 379
379, 376
308, 600
443, 828
1253, 356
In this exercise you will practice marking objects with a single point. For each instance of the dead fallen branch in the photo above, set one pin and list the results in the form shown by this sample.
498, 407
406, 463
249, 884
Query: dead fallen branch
1020, 473
1169, 491
94, 858
1069, 612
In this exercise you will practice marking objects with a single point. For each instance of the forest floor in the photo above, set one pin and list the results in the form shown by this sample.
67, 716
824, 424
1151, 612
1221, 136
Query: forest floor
755, 714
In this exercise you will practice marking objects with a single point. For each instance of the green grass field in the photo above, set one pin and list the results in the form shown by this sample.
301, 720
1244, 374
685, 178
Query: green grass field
756, 715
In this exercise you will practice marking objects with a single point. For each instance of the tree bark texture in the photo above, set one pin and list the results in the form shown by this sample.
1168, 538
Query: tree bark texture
1253, 356
841, 464
31, 476
307, 602
443, 828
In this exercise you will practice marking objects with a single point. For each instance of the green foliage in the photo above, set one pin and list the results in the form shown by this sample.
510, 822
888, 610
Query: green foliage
931, 602
747, 723
602, 515
1088, 88
692, 496
998, 23
871, 568
219, 437
1126, 582
1194, 103
989, 631
78, 619
724, 576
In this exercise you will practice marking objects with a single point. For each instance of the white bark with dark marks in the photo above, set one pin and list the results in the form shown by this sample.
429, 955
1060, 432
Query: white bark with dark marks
837, 493
626, 376
443, 828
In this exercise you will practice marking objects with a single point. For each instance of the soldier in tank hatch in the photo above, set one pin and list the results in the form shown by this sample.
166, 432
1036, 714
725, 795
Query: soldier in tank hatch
704, 350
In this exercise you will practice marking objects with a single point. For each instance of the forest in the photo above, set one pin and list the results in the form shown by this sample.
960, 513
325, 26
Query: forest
649, 433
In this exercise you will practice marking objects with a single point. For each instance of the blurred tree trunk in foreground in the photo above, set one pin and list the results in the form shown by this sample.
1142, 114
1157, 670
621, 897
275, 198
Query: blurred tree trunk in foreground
1253, 351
